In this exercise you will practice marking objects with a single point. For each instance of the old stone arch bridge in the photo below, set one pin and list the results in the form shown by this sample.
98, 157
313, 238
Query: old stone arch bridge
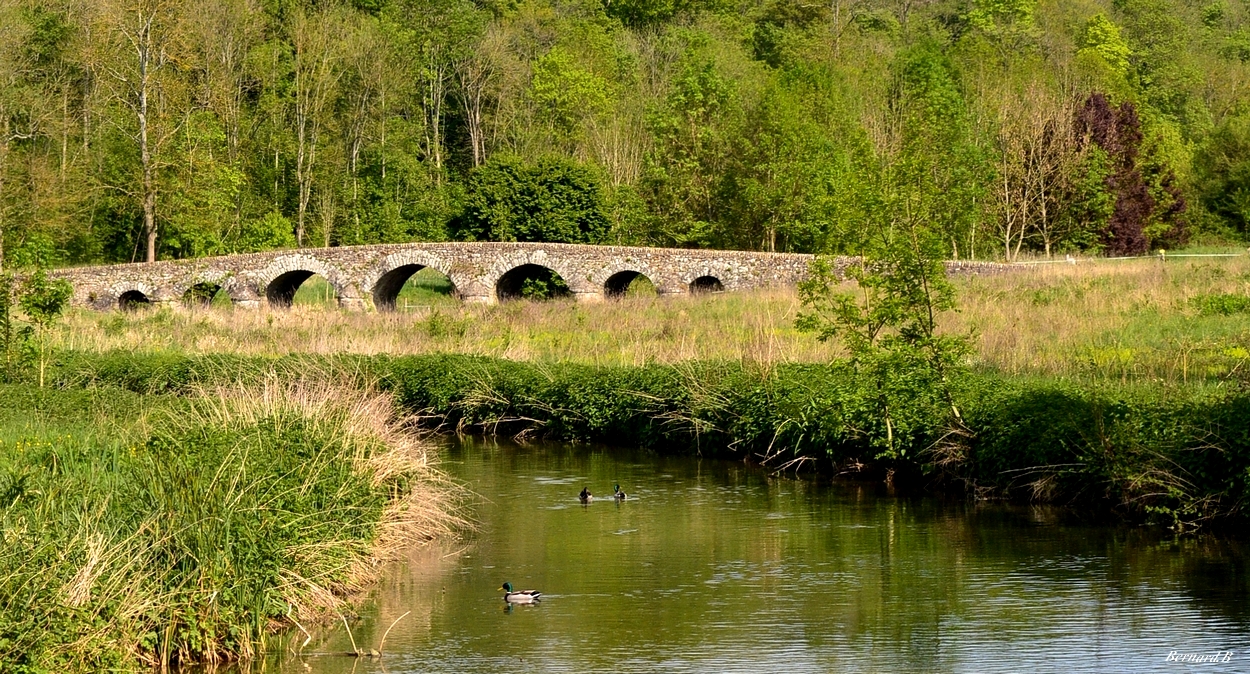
364, 276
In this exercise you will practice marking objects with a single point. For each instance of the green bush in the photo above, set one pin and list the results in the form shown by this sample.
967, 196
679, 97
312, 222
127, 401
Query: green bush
1221, 304
1175, 455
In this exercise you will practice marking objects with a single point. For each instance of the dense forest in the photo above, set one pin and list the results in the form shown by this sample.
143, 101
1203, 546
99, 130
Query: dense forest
133, 129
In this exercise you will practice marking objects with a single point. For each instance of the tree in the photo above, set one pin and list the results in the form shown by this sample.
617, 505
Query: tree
44, 300
1117, 131
1036, 155
142, 57
567, 94
1102, 39
224, 35
684, 174
888, 323
785, 169
1224, 167
316, 48
933, 150
17, 122
555, 200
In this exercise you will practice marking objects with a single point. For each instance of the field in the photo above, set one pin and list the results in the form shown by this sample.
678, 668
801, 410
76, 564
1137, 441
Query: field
1183, 320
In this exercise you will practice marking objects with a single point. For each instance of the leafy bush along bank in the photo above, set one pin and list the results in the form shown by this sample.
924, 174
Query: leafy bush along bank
1175, 455
201, 525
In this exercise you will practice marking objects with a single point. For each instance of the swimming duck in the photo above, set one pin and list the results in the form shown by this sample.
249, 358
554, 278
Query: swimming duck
585, 496
522, 597
619, 495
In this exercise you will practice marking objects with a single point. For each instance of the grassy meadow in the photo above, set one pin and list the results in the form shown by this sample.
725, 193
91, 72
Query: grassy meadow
1176, 321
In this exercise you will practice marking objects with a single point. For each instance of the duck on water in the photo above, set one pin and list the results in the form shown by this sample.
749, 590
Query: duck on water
521, 596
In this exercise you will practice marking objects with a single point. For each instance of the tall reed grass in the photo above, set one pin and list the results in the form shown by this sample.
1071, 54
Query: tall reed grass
195, 530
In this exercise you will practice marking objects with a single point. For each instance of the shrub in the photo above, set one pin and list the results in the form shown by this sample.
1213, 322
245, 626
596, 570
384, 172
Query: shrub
1221, 304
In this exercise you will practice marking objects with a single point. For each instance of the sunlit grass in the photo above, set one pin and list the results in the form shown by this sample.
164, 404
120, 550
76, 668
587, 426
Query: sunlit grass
157, 530
1121, 319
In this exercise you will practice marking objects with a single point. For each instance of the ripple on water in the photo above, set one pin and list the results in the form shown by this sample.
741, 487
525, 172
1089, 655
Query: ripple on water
698, 578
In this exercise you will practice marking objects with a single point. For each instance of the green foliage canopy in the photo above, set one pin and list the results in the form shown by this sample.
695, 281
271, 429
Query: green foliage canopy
553, 200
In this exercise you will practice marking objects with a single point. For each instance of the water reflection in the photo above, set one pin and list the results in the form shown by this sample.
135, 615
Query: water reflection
713, 567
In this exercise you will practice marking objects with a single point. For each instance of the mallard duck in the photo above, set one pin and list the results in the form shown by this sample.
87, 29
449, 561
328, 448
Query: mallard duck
522, 597
619, 495
585, 496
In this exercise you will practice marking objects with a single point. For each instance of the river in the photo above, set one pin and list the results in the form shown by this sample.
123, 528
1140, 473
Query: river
715, 566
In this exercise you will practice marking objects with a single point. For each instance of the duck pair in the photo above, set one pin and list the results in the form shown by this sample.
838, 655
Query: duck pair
587, 497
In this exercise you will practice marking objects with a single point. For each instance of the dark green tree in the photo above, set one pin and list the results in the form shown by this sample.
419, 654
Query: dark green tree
554, 200
1224, 167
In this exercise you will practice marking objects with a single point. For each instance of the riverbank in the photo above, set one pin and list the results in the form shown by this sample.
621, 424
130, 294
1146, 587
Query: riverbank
1179, 321
147, 530
1169, 454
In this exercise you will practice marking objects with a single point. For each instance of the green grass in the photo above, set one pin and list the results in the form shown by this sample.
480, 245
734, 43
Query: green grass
150, 529
315, 292
425, 289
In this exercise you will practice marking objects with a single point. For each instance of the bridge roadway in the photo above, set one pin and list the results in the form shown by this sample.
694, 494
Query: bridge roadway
364, 276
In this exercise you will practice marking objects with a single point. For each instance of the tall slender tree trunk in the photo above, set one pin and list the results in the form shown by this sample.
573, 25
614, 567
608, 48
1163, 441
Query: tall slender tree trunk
302, 175
145, 158
139, 92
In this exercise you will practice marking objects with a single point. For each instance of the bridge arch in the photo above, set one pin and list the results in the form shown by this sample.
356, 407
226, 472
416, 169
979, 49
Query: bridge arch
508, 274
706, 284
200, 290
514, 282
130, 296
614, 278
388, 278
282, 278
200, 295
133, 300
617, 284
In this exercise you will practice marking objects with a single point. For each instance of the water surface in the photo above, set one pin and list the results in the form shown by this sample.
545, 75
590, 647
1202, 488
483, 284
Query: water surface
713, 566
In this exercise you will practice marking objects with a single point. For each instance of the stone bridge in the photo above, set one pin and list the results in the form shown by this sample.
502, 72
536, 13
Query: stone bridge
364, 276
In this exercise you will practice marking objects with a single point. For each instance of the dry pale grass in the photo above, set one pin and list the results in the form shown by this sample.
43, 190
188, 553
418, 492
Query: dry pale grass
1109, 318
633, 331
384, 449
1121, 318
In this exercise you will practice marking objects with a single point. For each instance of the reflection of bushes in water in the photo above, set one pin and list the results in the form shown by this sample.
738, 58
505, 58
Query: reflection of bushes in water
241, 511
538, 288
1175, 455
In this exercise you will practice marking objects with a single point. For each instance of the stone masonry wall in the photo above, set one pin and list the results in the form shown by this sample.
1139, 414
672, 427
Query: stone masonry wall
474, 270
